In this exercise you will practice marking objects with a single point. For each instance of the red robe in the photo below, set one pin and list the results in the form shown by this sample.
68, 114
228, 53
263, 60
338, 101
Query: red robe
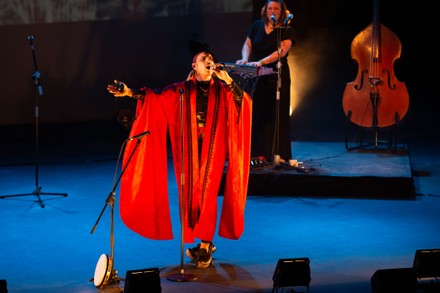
144, 202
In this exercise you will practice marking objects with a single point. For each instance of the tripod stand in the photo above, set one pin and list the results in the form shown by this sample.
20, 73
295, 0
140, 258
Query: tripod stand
105, 274
39, 92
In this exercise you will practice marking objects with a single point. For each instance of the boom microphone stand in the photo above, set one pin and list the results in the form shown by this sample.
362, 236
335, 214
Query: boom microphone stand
105, 274
39, 92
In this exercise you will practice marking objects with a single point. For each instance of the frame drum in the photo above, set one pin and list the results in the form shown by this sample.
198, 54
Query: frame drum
103, 270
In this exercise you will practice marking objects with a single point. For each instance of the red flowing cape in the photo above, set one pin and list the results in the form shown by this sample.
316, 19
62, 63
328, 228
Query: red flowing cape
144, 200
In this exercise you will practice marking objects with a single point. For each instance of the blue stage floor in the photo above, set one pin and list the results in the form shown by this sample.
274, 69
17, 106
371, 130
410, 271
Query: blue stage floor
346, 238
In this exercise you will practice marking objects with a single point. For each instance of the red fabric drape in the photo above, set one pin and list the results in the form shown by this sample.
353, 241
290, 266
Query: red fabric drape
144, 202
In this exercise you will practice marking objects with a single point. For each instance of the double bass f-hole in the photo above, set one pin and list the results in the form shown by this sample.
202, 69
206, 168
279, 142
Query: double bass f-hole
388, 74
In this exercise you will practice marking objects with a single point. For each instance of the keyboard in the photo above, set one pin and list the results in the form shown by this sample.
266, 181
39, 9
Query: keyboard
247, 71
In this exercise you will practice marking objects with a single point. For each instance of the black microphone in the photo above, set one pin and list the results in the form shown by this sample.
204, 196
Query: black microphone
119, 86
217, 66
31, 39
139, 136
273, 18
288, 19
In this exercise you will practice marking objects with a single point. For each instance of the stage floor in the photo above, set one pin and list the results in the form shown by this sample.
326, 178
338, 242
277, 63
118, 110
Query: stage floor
346, 239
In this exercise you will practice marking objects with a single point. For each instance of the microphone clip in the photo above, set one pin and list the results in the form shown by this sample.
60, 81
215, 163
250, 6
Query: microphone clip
139, 136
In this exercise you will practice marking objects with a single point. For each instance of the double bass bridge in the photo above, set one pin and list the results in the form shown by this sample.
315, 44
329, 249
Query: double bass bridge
374, 80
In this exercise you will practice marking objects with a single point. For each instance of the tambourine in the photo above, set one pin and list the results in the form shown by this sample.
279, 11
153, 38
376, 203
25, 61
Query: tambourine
103, 270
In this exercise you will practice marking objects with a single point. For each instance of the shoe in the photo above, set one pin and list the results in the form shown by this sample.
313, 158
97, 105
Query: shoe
193, 253
257, 162
204, 260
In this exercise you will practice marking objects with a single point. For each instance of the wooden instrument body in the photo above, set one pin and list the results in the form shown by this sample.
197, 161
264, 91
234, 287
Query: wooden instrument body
376, 98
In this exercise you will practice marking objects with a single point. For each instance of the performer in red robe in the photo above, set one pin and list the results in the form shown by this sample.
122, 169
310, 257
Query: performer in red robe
208, 118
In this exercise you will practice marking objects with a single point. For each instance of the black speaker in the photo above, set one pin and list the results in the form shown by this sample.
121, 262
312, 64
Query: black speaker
402, 280
291, 272
3, 286
427, 263
141, 281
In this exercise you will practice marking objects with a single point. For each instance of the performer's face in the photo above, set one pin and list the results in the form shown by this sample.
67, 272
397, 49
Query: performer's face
273, 8
203, 66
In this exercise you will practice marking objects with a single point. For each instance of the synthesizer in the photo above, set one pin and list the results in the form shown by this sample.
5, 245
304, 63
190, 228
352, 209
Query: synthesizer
247, 71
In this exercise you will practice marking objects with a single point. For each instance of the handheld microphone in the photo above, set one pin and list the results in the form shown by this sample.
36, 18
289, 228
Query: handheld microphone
119, 86
288, 19
273, 18
217, 66
139, 136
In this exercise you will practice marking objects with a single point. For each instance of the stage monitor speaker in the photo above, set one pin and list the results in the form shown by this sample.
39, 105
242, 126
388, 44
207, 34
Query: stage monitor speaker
143, 280
291, 272
402, 280
427, 263
3, 286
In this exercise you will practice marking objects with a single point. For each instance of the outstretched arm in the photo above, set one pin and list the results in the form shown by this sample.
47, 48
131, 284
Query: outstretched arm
120, 89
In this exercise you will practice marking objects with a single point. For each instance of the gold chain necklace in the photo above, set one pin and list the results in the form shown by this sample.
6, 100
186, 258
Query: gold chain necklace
203, 90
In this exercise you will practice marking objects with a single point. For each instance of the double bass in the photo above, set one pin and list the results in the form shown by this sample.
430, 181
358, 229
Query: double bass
376, 98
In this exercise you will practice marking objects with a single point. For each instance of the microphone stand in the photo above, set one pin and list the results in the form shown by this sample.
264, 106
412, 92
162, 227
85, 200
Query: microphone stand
276, 138
182, 276
39, 92
111, 273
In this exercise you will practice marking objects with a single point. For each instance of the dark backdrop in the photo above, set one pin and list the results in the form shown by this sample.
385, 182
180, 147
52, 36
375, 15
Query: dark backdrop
77, 59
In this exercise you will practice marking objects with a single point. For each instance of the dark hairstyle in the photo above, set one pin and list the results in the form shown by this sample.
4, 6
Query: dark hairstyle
284, 11
197, 45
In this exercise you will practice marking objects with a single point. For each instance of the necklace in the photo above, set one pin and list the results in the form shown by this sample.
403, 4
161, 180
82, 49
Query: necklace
203, 90
204, 87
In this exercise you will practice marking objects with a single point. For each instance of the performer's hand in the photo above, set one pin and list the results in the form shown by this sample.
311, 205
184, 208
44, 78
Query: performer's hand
241, 61
254, 63
223, 75
118, 89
